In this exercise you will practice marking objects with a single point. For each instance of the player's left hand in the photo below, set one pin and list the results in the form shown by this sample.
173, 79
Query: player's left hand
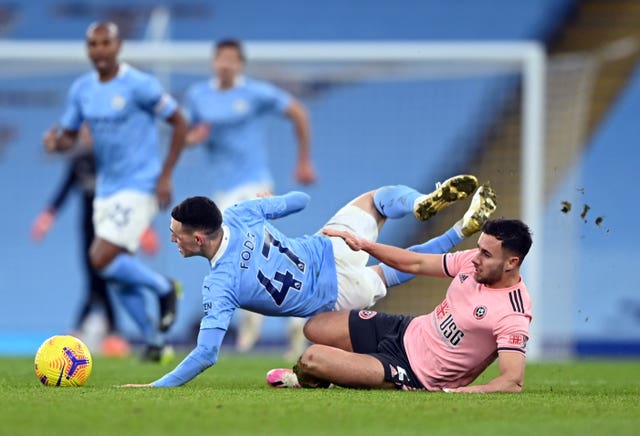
463, 389
134, 385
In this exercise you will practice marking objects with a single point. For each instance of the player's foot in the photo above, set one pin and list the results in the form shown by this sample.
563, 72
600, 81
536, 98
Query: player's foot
159, 354
483, 204
168, 305
282, 378
451, 190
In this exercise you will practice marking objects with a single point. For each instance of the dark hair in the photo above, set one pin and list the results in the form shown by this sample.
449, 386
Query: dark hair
230, 43
514, 235
198, 213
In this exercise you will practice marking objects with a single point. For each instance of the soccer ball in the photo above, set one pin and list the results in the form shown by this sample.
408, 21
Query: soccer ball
63, 361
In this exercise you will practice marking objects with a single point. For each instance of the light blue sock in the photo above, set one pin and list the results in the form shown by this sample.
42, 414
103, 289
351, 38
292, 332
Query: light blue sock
133, 301
439, 244
128, 269
395, 201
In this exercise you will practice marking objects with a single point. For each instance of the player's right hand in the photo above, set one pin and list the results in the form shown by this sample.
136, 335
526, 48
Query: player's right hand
50, 139
354, 242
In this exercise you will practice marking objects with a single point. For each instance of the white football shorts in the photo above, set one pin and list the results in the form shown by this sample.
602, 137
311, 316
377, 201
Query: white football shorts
123, 217
359, 287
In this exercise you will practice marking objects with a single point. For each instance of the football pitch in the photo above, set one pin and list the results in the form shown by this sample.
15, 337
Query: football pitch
585, 397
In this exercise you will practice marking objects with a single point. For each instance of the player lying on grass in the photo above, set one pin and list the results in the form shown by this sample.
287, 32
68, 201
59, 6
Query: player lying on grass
256, 267
485, 315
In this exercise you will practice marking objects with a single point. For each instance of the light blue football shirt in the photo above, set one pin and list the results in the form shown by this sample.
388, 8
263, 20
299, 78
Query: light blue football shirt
237, 142
121, 116
260, 269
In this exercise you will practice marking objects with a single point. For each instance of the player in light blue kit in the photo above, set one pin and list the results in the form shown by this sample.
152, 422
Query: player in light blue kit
255, 266
120, 105
227, 114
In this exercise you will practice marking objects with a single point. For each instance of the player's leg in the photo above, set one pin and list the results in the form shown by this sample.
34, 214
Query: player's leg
397, 201
133, 301
345, 343
360, 287
329, 328
482, 206
119, 222
322, 364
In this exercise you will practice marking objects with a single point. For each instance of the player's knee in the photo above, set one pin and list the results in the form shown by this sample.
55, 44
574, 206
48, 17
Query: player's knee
309, 363
308, 368
309, 329
101, 254
98, 260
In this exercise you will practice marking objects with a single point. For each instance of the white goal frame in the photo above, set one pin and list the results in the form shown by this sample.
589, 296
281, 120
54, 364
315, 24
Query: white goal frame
528, 57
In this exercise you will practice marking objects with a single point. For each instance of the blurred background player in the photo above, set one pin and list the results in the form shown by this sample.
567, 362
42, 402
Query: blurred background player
96, 323
226, 113
120, 104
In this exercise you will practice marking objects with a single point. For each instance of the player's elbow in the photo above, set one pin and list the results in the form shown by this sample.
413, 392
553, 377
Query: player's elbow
296, 110
179, 124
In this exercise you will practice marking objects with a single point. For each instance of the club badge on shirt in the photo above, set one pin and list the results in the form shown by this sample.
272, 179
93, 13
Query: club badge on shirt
240, 106
479, 312
118, 102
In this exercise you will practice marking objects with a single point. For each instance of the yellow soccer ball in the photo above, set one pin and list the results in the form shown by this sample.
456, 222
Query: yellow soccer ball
63, 360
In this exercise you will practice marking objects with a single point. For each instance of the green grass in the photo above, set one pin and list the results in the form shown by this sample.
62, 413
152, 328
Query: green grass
594, 398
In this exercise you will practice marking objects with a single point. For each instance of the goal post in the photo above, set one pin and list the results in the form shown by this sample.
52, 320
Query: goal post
351, 61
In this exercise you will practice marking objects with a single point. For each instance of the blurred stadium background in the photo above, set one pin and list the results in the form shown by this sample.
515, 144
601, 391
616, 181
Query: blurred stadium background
393, 118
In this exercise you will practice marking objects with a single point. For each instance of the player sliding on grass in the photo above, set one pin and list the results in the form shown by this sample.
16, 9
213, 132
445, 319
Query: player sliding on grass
256, 267
485, 315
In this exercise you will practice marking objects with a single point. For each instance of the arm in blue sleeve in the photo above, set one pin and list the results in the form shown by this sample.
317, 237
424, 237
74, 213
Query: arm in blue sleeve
202, 357
283, 205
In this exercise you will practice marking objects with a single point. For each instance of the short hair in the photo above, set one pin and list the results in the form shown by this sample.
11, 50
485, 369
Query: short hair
230, 43
111, 27
514, 235
198, 213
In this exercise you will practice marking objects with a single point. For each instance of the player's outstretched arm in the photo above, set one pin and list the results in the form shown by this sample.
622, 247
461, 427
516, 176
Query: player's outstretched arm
202, 357
280, 206
164, 188
398, 258
511, 378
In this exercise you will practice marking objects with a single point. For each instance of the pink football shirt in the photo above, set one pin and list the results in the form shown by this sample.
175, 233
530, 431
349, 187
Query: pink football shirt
452, 345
